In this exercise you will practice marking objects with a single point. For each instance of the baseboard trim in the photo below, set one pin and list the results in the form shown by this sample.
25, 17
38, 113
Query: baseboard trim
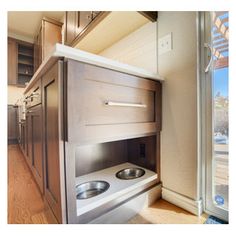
186, 203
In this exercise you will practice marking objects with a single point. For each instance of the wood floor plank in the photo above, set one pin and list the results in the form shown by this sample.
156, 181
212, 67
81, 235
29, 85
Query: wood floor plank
25, 203
163, 212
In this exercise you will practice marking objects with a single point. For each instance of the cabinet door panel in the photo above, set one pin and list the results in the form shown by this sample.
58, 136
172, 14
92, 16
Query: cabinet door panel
84, 18
23, 136
106, 105
37, 147
12, 124
29, 139
52, 166
71, 23
51, 36
12, 61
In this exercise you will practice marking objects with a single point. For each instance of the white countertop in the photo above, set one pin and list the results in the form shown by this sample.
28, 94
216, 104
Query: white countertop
79, 55
118, 187
61, 50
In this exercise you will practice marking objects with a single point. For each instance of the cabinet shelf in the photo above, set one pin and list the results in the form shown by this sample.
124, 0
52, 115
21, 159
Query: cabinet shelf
25, 54
25, 63
20, 62
22, 73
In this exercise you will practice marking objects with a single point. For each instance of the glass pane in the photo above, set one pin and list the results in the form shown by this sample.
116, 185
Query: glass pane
220, 29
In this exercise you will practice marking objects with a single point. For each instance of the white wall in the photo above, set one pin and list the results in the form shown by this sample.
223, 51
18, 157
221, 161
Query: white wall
179, 127
13, 94
179, 67
138, 48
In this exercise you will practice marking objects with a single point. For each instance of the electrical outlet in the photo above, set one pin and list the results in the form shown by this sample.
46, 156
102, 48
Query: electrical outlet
165, 44
142, 150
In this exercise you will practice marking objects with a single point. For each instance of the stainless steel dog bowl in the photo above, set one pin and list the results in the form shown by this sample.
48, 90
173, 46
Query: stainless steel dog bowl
130, 173
91, 189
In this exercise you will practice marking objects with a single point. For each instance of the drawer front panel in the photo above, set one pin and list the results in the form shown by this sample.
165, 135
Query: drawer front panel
34, 97
107, 104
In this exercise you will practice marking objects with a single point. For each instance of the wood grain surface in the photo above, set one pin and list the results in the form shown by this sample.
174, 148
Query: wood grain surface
163, 212
25, 203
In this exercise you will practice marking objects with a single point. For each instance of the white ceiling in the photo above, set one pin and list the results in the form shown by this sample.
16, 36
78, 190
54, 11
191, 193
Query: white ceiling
26, 23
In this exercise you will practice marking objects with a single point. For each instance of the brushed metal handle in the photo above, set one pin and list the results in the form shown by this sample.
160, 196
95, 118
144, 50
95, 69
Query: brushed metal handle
125, 104
34, 94
208, 46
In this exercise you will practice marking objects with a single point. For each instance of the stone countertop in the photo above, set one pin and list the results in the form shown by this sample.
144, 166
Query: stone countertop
62, 51
118, 187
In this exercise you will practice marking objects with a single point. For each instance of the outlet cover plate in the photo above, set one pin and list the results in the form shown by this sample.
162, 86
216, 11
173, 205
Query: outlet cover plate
165, 44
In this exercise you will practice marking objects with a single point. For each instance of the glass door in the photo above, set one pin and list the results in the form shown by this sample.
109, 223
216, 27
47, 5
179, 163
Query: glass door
216, 53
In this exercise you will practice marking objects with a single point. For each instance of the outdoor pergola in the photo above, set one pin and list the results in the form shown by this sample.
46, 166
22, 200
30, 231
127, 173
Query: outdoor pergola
220, 39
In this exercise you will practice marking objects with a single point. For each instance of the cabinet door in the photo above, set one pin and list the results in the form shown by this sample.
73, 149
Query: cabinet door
28, 139
51, 34
38, 50
23, 136
51, 137
71, 23
12, 124
37, 145
12, 61
84, 18
76, 22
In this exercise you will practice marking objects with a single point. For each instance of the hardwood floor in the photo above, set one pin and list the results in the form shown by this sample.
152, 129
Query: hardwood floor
163, 212
26, 206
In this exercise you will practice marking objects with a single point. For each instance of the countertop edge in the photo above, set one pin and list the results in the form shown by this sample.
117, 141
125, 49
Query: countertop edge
62, 51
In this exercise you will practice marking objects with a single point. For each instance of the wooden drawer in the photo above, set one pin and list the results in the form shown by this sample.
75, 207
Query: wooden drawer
111, 104
34, 97
105, 105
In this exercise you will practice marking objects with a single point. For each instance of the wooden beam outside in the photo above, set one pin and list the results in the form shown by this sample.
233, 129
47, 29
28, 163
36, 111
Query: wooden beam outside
222, 46
221, 28
220, 42
221, 63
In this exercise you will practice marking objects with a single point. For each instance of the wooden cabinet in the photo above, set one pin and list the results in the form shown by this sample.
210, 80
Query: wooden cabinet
79, 23
51, 137
22, 136
49, 34
25, 63
32, 133
20, 62
106, 105
37, 145
28, 129
82, 104
12, 124
12, 61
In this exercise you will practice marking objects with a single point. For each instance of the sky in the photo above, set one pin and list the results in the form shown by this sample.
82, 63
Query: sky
220, 78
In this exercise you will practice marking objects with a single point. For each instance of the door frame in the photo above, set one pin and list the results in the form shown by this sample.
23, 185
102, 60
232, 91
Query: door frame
205, 143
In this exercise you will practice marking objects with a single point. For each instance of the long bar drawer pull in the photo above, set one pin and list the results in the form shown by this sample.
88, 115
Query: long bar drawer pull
125, 104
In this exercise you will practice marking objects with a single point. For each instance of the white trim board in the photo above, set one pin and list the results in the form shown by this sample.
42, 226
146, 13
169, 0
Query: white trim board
188, 204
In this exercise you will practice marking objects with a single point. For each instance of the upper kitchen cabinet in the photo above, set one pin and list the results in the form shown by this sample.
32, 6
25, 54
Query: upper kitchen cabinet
48, 35
151, 15
93, 31
79, 23
20, 62
12, 61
